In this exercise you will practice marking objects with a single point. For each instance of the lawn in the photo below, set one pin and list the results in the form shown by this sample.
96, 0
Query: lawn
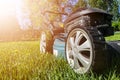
23, 61
114, 37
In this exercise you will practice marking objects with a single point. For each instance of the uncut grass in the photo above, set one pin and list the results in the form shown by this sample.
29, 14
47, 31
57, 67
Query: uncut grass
23, 61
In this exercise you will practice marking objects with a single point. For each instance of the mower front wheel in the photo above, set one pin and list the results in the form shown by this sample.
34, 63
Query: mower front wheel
85, 50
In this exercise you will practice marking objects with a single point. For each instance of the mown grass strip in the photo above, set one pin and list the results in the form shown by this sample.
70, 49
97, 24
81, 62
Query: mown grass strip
116, 36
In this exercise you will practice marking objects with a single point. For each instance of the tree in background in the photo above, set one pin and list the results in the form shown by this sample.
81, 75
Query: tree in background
80, 4
115, 10
38, 7
98, 4
111, 6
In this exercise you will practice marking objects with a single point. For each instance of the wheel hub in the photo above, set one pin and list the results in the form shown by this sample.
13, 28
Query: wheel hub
79, 47
43, 42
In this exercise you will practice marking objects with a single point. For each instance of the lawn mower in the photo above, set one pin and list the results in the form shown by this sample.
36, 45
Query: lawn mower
81, 40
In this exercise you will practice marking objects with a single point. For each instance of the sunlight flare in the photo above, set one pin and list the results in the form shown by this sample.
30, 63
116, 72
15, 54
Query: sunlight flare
7, 7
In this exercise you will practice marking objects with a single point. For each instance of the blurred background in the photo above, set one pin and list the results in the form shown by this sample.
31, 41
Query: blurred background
23, 19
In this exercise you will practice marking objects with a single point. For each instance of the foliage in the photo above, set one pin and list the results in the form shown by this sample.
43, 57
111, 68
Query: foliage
23, 61
98, 4
35, 14
38, 7
115, 10
80, 4
116, 25
111, 6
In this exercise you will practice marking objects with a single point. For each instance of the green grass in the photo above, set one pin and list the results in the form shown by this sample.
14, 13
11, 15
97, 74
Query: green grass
116, 36
23, 61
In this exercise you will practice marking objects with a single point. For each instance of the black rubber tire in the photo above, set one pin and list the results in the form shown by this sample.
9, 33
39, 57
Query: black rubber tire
99, 60
100, 51
49, 42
